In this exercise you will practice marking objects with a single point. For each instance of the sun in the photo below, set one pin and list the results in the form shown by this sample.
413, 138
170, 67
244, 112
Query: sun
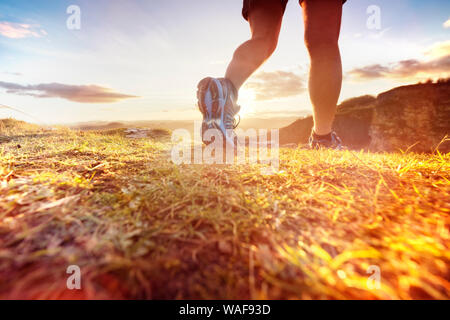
247, 102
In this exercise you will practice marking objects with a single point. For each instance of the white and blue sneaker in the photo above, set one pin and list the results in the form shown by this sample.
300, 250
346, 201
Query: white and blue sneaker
332, 141
217, 102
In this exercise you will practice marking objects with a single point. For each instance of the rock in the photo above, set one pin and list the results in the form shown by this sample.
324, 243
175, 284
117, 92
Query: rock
225, 247
290, 146
415, 117
136, 133
133, 133
412, 117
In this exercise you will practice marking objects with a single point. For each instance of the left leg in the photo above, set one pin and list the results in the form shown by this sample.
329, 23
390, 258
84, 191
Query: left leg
265, 19
322, 27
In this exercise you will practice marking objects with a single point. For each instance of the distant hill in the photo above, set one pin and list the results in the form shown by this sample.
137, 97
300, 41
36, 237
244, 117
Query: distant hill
415, 117
255, 123
12, 126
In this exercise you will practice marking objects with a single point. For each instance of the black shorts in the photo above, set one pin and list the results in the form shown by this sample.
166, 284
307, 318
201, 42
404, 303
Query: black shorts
248, 5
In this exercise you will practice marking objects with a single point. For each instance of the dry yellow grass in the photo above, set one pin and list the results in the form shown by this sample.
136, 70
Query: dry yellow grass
141, 227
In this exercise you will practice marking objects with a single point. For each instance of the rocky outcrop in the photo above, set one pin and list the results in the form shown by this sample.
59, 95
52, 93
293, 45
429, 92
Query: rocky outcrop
415, 118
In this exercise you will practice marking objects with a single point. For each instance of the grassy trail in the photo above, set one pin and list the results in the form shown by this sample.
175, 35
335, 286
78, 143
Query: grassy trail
140, 226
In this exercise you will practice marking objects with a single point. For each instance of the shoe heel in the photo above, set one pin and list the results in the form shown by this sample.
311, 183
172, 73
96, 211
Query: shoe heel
205, 127
208, 85
211, 126
202, 88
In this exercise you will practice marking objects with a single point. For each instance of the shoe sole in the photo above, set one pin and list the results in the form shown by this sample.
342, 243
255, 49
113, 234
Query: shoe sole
208, 108
207, 84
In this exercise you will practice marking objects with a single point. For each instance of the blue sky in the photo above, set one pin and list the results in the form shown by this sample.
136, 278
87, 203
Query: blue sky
142, 59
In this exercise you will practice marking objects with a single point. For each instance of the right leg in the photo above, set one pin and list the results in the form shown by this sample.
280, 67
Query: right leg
322, 28
265, 17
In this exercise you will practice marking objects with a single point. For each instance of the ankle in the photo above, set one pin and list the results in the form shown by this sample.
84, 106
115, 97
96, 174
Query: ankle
233, 87
321, 136
322, 130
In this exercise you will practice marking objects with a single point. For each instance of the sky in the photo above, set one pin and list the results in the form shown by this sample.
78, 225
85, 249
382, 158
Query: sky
142, 59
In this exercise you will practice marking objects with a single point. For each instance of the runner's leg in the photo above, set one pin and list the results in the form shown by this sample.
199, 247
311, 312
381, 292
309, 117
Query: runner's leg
322, 28
265, 17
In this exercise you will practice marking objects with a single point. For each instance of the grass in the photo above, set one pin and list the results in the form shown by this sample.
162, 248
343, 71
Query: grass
140, 226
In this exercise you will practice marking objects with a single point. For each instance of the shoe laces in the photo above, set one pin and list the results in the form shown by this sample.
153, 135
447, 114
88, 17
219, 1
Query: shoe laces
232, 119
236, 123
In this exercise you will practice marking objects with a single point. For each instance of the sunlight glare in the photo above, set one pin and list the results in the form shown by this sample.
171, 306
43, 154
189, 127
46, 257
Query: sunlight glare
247, 102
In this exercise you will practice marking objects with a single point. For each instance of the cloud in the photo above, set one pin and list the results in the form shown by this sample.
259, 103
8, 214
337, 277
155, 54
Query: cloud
9, 73
438, 62
446, 24
75, 93
438, 50
379, 34
369, 72
275, 85
402, 69
20, 30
